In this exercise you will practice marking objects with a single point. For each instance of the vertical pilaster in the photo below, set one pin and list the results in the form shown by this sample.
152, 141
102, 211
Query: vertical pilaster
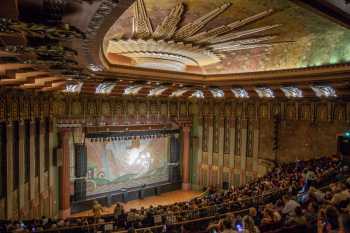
42, 176
32, 168
256, 150
51, 171
64, 175
210, 139
243, 149
200, 151
186, 159
221, 141
21, 167
9, 149
232, 142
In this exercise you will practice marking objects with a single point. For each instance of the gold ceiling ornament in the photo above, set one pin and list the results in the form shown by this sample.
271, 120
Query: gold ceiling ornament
172, 47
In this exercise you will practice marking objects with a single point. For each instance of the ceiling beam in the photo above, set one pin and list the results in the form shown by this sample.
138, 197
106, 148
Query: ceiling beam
326, 9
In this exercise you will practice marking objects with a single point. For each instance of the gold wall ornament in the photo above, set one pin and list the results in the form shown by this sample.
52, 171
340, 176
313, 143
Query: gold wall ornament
175, 47
76, 108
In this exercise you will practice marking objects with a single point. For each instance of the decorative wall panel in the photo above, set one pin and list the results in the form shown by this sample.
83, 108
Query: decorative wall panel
300, 137
238, 137
263, 111
226, 135
216, 136
250, 139
305, 112
290, 111
339, 112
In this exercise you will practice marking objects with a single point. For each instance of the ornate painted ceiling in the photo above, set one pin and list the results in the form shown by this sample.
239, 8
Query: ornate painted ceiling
178, 49
303, 39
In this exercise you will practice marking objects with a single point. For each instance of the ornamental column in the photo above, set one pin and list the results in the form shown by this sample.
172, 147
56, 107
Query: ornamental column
9, 172
64, 175
186, 159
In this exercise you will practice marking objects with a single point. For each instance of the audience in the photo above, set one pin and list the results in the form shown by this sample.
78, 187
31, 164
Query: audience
311, 210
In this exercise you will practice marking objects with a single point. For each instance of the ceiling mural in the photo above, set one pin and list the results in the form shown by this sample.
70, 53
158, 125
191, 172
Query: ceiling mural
290, 37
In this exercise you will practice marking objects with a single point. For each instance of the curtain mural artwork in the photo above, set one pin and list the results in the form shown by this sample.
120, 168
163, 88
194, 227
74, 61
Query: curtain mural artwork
116, 165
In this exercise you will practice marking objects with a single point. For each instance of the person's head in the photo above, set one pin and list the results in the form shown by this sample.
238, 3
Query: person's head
345, 223
312, 207
332, 217
227, 223
131, 230
252, 211
248, 223
285, 198
298, 211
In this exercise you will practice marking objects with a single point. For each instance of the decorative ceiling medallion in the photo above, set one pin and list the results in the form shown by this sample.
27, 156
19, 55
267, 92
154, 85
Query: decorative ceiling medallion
240, 93
133, 90
217, 93
172, 47
157, 91
105, 88
179, 92
264, 92
292, 92
198, 94
73, 87
324, 91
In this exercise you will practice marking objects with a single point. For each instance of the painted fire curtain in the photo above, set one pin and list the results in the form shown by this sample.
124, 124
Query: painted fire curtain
122, 164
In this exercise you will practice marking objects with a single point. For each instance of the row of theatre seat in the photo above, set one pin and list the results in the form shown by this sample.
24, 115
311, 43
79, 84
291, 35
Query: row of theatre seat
198, 220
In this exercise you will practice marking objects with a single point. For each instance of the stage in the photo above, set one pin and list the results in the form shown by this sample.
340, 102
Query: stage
163, 199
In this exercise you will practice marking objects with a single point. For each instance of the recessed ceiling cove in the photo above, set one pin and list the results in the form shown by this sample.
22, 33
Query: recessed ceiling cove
220, 37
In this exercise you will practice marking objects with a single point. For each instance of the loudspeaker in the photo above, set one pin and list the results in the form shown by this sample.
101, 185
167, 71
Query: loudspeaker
157, 191
80, 160
109, 200
174, 173
174, 149
225, 185
344, 145
79, 189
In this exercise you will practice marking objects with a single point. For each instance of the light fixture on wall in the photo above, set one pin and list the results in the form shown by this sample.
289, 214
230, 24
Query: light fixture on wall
292, 92
265, 92
239, 92
323, 90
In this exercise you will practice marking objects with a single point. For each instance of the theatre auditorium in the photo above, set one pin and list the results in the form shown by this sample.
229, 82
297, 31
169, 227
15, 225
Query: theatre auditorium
175, 116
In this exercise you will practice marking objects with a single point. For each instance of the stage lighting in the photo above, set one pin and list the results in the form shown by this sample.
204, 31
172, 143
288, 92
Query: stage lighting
347, 134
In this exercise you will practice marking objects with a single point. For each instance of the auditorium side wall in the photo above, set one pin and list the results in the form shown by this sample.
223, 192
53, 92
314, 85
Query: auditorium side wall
231, 140
29, 184
237, 141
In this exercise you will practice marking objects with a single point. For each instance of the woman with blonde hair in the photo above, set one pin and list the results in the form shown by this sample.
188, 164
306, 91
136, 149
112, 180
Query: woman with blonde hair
249, 225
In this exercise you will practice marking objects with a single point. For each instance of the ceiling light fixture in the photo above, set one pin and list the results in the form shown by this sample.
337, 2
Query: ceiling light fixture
173, 47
